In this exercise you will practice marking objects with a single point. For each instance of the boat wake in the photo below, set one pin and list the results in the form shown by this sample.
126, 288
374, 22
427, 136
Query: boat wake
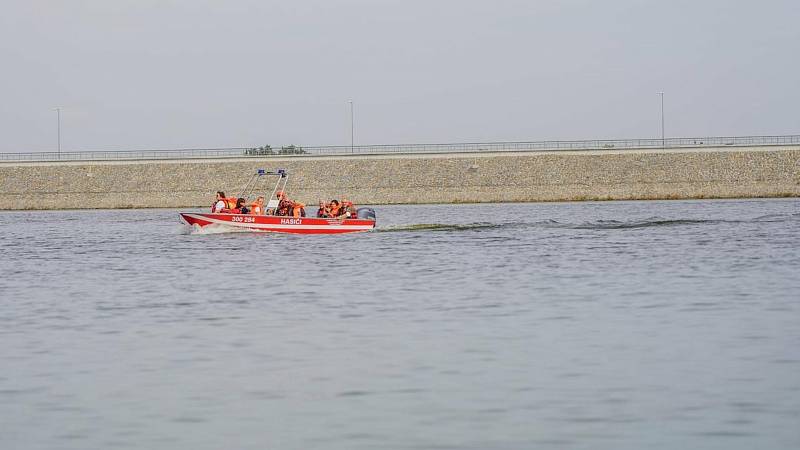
599, 225
438, 227
646, 223
212, 229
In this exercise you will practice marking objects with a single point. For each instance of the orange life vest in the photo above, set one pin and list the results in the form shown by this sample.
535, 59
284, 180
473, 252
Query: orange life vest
284, 207
231, 202
297, 209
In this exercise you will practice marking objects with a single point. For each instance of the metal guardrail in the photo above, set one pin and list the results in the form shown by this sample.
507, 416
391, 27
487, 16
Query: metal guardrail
471, 147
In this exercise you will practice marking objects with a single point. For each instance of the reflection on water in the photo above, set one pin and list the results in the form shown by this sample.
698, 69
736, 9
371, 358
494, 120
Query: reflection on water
581, 325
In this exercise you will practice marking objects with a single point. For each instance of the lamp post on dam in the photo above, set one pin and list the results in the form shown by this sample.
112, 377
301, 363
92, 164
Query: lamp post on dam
58, 113
663, 141
352, 127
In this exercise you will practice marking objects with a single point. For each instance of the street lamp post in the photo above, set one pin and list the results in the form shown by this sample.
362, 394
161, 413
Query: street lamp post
663, 142
58, 112
352, 127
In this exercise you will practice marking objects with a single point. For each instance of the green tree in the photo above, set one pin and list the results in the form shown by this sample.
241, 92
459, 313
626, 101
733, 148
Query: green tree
292, 150
260, 151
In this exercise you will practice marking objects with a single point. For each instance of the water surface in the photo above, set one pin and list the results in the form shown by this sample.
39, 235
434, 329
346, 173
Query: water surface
606, 325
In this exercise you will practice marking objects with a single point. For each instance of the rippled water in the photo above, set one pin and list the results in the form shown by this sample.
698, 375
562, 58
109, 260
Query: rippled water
583, 325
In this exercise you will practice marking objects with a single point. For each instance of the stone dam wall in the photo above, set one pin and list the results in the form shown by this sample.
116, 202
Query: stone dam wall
732, 172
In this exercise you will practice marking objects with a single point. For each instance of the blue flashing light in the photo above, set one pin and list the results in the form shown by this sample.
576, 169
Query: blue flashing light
261, 171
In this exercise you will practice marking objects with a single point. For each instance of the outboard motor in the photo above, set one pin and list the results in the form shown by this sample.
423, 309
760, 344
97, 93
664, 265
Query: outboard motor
366, 213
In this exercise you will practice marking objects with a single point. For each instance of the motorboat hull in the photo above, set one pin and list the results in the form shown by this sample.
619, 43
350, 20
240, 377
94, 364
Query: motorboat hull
279, 224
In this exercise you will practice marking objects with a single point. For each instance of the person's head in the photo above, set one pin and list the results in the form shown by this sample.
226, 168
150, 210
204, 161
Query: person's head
280, 195
260, 200
335, 203
321, 204
239, 202
220, 195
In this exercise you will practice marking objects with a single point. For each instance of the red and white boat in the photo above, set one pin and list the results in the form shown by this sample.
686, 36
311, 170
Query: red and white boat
364, 220
278, 224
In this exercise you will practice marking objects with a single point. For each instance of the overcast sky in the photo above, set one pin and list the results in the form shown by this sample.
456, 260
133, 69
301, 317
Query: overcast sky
229, 73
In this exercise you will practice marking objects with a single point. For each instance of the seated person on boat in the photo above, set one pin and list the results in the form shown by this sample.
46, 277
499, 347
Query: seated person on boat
324, 210
348, 209
334, 208
219, 203
223, 203
287, 207
241, 206
238, 208
257, 207
338, 210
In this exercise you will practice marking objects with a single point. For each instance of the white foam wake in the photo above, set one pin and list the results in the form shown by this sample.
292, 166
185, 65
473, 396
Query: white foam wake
214, 228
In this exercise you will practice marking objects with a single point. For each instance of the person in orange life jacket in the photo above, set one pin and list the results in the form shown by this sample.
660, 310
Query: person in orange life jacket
237, 209
298, 209
335, 208
231, 201
257, 207
323, 210
219, 204
284, 204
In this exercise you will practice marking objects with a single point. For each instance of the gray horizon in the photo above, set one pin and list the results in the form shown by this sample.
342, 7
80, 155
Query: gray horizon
203, 74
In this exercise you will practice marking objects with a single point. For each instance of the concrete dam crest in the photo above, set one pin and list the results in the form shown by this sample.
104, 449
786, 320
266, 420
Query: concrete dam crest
685, 173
